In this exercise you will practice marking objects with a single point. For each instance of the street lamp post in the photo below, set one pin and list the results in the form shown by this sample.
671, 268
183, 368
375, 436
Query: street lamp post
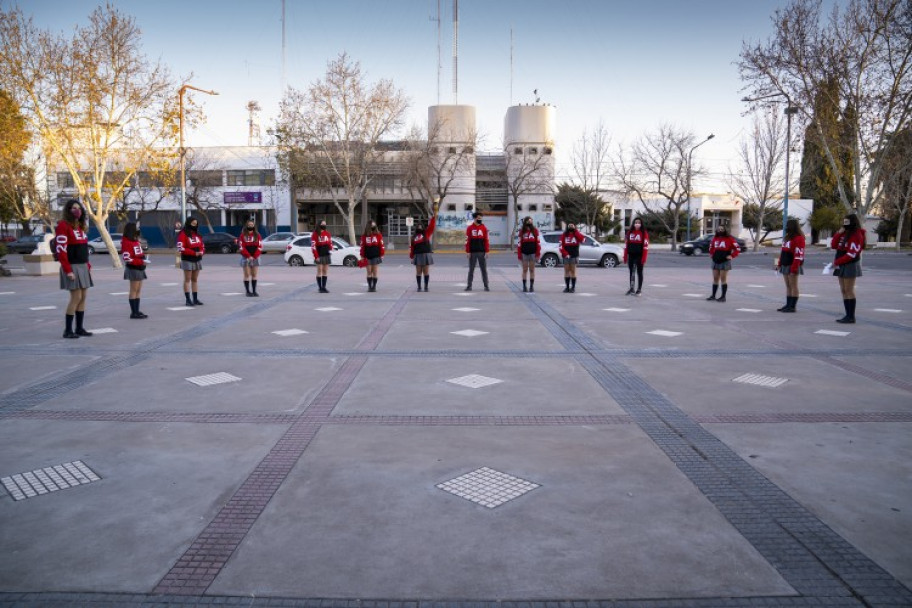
182, 150
689, 159
790, 111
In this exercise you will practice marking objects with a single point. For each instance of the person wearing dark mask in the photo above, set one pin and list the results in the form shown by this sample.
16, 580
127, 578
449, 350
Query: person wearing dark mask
849, 241
191, 249
570, 242
636, 250
477, 247
421, 250
134, 267
723, 248
372, 252
71, 246
250, 246
528, 250
790, 262
321, 245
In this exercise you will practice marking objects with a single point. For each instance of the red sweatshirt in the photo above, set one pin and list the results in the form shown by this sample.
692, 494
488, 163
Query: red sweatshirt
190, 246
528, 243
636, 243
372, 246
570, 243
848, 246
321, 243
726, 244
792, 253
71, 245
421, 243
249, 244
477, 239
132, 254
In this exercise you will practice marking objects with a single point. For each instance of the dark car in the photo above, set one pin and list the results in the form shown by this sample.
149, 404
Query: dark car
701, 245
25, 244
220, 242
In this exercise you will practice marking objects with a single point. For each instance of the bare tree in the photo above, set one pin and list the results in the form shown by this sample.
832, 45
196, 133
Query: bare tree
529, 171
657, 171
758, 179
896, 195
328, 136
864, 49
436, 162
591, 165
94, 99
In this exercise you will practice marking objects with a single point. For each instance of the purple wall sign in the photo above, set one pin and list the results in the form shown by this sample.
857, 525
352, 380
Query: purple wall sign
242, 197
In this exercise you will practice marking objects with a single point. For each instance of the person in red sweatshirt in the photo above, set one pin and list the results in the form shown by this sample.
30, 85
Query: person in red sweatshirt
71, 245
134, 267
250, 246
528, 250
321, 245
191, 249
477, 247
723, 248
636, 250
372, 250
421, 250
848, 242
790, 263
570, 242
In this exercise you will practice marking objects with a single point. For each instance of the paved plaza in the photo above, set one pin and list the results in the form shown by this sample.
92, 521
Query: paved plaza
458, 449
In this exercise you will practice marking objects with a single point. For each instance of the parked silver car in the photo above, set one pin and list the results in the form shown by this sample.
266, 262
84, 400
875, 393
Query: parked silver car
591, 251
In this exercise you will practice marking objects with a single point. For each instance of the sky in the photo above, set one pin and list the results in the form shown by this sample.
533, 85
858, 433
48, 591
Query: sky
631, 64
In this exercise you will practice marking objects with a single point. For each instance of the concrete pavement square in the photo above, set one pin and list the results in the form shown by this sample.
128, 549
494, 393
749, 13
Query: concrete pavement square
160, 484
380, 389
612, 518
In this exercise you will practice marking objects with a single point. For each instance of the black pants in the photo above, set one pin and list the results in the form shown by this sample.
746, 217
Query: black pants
479, 258
635, 264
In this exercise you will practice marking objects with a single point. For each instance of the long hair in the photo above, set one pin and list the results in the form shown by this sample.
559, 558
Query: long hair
371, 228
854, 223
131, 232
633, 224
527, 228
722, 229
68, 214
188, 229
793, 229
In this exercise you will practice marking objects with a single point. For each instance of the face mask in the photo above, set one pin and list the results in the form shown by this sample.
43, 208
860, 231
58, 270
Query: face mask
637, 226
322, 226
76, 212
193, 226
478, 221
844, 222
250, 228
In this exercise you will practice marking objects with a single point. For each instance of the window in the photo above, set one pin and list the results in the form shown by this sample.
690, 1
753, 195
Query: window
205, 179
251, 177
469, 150
547, 208
451, 206
548, 151
517, 150
65, 180
533, 150
451, 150
552, 238
533, 208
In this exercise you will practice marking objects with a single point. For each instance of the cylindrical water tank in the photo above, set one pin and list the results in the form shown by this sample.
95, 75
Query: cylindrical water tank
451, 123
529, 124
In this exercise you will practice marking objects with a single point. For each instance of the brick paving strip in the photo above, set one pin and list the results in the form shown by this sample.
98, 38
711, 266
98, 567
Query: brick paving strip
818, 563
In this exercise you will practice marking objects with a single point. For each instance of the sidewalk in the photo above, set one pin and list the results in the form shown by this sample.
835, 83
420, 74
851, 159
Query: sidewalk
458, 449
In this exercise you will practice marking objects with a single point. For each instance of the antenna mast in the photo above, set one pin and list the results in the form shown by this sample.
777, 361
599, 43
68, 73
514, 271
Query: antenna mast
455, 51
283, 47
511, 65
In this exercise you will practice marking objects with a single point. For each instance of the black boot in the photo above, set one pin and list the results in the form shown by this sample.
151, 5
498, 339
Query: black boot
140, 314
850, 312
325, 278
525, 288
427, 278
247, 288
133, 309
68, 331
573, 285
567, 283
715, 289
724, 291
196, 300
418, 280
531, 285
80, 330
187, 296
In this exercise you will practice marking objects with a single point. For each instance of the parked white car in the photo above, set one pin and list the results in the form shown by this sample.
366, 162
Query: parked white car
298, 253
97, 245
591, 251
278, 241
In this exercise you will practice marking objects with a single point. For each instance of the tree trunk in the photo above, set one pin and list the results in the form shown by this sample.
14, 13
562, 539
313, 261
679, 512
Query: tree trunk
350, 219
899, 227
113, 252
